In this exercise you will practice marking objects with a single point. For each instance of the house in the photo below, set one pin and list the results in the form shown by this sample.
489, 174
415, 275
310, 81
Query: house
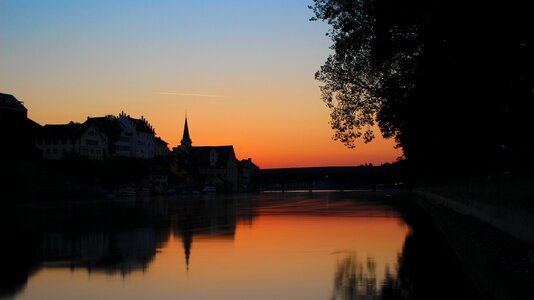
128, 137
136, 138
213, 165
217, 165
17, 132
247, 172
110, 126
73, 139
160, 147
11, 109
99, 137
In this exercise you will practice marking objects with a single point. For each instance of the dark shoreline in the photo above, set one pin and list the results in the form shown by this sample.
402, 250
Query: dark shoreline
501, 265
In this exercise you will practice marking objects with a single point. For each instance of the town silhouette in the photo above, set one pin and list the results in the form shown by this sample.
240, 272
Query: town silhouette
416, 184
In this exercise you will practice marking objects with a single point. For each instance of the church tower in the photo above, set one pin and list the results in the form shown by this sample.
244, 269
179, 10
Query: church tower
186, 142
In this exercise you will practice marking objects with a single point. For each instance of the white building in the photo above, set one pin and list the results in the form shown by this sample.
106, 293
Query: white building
136, 139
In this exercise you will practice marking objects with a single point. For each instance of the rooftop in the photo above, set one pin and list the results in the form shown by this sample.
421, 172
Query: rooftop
10, 102
202, 155
62, 131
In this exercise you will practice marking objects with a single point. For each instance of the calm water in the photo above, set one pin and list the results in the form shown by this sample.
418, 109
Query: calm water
267, 246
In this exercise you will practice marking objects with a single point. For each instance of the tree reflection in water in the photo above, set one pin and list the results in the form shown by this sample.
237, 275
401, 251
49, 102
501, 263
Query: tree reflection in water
354, 279
425, 269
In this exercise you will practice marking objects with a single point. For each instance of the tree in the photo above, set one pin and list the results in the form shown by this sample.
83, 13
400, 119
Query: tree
449, 80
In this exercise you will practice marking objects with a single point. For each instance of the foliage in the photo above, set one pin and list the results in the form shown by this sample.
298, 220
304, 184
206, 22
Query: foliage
448, 80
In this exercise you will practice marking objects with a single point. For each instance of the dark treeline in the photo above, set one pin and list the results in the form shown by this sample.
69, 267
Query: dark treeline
450, 81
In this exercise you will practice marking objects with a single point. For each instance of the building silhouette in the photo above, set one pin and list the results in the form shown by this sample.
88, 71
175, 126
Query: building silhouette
211, 166
17, 131
60, 141
101, 137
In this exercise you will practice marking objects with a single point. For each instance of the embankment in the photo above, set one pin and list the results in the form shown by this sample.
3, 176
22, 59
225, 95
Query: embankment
494, 241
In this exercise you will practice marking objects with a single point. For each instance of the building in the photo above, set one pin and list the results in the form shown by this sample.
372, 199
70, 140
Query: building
72, 140
11, 109
128, 137
217, 165
110, 126
136, 139
247, 172
160, 147
17, 132
99, 137
214, 165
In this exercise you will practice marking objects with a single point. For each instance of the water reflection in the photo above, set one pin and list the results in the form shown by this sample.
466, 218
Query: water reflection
354, 279
119, 251
110, 236
239, 247
360, 279
212, 216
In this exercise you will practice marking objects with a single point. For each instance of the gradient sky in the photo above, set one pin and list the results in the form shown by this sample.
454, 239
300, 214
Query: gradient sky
242, 70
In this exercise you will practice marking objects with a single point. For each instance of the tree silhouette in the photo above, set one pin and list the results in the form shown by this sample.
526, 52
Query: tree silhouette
449, 80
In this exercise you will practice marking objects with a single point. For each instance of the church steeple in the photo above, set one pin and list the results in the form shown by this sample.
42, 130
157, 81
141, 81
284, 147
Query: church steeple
186, 140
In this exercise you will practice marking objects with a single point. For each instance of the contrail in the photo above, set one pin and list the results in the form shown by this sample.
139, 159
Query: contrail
191, 94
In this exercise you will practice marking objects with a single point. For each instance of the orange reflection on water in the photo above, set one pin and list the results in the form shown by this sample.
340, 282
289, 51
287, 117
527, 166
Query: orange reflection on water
282, 256
291, 255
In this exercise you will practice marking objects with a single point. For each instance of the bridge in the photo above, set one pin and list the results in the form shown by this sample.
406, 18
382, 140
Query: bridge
329, 178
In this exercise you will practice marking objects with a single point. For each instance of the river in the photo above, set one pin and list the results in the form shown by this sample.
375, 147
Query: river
358, 245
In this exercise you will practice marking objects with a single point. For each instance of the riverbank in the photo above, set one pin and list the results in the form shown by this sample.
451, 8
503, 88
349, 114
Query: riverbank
494, 244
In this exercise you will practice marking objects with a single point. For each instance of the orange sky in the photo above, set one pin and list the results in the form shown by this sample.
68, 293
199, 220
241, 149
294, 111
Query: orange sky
274, 134
243, 71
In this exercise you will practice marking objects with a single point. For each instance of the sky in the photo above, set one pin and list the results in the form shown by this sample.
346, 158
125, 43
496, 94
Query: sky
242, 71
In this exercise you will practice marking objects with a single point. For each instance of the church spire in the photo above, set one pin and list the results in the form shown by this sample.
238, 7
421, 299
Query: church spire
186, 140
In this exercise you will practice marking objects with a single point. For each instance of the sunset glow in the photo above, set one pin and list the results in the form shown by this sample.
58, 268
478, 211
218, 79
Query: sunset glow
242, 71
